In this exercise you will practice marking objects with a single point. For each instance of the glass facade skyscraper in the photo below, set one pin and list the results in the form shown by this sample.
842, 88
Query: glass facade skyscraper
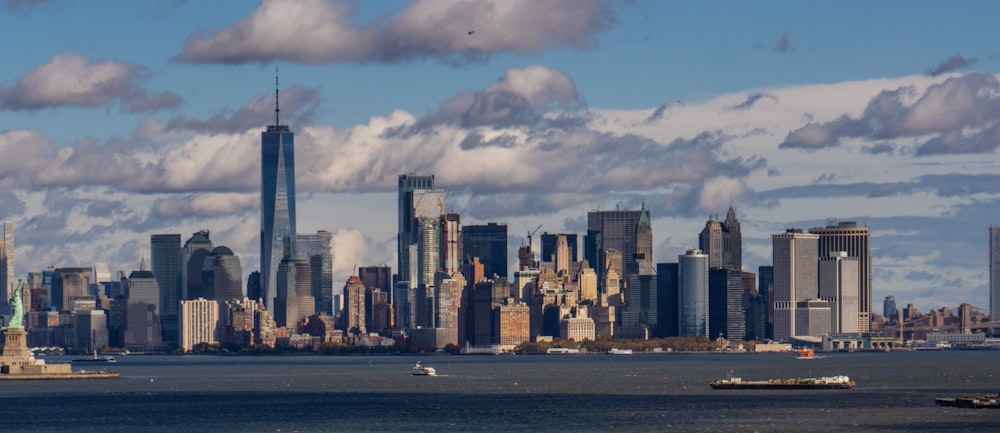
489, 243
693, 284
277, 197
165, 255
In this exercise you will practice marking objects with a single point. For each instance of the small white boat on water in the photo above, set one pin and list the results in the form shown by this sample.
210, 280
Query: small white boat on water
420, 370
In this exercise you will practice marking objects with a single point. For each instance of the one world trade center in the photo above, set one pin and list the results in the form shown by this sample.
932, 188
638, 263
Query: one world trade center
277, 197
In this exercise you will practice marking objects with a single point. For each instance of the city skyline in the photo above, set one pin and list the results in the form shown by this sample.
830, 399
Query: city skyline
106, 141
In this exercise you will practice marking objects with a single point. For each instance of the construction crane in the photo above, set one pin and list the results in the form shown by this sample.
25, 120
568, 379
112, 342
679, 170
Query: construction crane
531, 234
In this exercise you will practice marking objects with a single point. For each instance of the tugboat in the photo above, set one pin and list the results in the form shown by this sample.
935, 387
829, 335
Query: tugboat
419, 370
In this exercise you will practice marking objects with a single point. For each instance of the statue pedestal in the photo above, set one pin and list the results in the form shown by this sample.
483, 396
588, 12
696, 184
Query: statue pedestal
16, 345
18, 361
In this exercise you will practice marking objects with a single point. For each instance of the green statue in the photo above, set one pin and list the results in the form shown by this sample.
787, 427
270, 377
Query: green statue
18, 308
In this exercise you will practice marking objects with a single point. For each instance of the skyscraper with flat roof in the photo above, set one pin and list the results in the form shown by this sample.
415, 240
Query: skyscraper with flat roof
847, 236
316, 248
489, 243
7, 279
277, 197
995, 274
796, 258
692, 281
627, 231
165, 257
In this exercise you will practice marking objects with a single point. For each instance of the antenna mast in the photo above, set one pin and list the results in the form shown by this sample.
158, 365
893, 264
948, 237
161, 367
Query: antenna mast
276, 109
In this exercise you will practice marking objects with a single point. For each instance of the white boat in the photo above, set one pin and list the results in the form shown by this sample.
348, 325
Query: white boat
419, 370
617, 351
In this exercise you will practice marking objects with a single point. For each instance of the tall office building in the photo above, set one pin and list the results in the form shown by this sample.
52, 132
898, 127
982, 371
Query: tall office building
725, 304
551, 243
451, 243
316, 249
995, 274
891, 312
489, 243
692, 282
722, 241
417, 198
765, 288
166, 260
7, 279
142, 328
222, 276
293, 287
354, 308
641, 304
70, 285
277, 200
193, 256
847, 236
627, 231
795, 259
667, 300
838, 285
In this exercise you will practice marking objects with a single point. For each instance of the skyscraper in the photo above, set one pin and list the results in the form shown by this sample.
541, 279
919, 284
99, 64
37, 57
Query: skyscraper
627, 231
489, 243
316, 249
142, 331
795, 256
193, 256
451, 243
7, 279
722, 242
994, 273
692, 282
222, 275
417, 198
847, 236
550, 243
838, 285
165, 257
277, 197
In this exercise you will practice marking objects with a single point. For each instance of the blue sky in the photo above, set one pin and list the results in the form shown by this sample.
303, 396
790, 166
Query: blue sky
123, 119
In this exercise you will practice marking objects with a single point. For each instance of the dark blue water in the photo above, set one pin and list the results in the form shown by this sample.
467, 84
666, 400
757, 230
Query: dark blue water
895, 392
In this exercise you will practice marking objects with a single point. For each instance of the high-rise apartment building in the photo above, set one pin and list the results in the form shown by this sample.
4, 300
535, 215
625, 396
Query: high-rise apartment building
795, 259
354, 308
316, 249
277, 197
166, 260
451, 243
489, 243
722, 241
626, 231
692, 282
199, 322
847, 236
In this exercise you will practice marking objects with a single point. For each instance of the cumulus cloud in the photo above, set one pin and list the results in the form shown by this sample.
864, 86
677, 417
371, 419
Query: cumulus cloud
205, 204
960, 114
321, 31
954, 63
69, 79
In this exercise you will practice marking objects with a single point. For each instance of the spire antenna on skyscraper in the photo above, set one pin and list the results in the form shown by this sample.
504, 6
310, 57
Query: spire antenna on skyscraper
277, 110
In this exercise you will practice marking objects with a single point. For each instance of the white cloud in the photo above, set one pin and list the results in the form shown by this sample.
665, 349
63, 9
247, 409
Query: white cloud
320, 31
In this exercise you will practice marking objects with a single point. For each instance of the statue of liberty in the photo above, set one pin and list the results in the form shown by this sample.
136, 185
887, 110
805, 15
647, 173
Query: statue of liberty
17, 314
